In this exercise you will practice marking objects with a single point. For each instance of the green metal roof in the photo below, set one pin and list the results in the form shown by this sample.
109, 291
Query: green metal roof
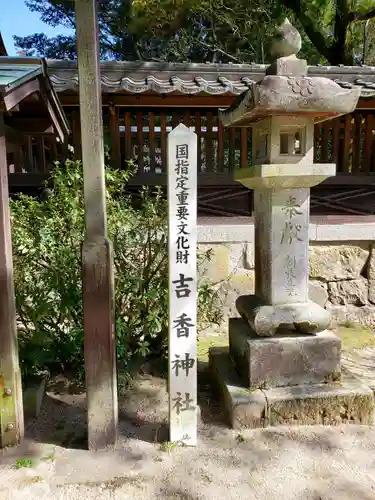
12, 74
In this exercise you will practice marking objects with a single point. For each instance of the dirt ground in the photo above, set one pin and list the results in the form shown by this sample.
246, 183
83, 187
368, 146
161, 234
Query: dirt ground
288, 463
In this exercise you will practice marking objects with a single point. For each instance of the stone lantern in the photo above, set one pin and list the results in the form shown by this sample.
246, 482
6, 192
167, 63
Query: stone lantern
284, 357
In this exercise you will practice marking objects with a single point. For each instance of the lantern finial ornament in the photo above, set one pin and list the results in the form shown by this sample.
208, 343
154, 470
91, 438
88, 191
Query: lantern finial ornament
287, 41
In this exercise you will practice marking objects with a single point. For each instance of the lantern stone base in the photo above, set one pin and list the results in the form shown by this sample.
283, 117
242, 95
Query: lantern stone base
266, 320
283, 360
334, 403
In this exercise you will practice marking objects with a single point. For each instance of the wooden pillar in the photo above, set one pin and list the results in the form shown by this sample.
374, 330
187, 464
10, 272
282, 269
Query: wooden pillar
97, 261
77, 137
11, 408
114, 126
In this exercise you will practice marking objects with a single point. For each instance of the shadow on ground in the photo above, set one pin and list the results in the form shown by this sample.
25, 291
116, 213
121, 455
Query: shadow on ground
143, 411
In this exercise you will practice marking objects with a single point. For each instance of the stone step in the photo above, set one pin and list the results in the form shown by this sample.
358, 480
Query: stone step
285, 359
347, 401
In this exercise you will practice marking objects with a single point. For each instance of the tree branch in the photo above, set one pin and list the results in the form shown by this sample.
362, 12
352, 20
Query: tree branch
361, 16
217, 49
311, 28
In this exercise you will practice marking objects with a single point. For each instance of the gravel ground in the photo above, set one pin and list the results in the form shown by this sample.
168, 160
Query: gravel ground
288, 463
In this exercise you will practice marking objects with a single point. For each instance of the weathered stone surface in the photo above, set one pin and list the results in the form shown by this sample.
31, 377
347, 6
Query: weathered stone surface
281, 247
335, 263
348, 401
236, 258
236, 285
249, 256
33, 397
371, 264
349, 292
326, 404
359, 364
216, 269
361, 315
287, 41
371, 291
283, 360
244, 408
318, 292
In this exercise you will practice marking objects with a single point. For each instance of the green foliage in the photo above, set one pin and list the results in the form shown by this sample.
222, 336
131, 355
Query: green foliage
23, 463
167, 30
335, 28
116, 40
204, 30
47, 239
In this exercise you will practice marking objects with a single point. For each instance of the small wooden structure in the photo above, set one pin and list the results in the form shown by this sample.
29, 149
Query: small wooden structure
25, 91
36, 126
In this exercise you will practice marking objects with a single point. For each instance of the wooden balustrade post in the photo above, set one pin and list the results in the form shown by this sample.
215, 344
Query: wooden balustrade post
97, 259
77, 136
114, 127
11, 407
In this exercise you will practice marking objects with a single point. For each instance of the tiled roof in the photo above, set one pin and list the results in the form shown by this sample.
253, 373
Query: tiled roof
186, 78
12, 75
18, 71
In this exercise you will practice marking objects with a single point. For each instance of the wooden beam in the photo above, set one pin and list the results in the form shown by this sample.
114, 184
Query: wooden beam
336, 124
159, 101
243, 159
76, 131
15, 96
368, 146
40, 155
224, 179
31, 126
198, 131
151, 140
29, 154
27, 180
128, 135
97, 257
366, 104
140, 139
357, 142
208, 142
347, 146
11, 408
54, 118
114, 126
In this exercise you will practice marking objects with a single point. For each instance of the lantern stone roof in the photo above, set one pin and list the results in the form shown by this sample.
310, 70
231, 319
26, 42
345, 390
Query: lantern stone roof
288, 90
318, 97
190, 78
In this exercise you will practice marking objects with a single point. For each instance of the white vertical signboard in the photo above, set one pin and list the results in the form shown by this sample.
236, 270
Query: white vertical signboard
182, 220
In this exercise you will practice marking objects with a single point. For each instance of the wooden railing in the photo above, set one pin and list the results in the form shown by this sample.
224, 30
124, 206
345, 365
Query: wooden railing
141, 135
347, 141
32, 155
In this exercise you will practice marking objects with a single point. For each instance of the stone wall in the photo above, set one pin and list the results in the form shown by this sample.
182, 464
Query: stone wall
342, 273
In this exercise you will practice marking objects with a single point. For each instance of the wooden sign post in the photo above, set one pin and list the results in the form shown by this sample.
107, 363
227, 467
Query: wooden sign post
97, 258
11, 405
182, 219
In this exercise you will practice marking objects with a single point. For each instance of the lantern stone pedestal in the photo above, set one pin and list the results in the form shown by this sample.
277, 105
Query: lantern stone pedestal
283, 365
